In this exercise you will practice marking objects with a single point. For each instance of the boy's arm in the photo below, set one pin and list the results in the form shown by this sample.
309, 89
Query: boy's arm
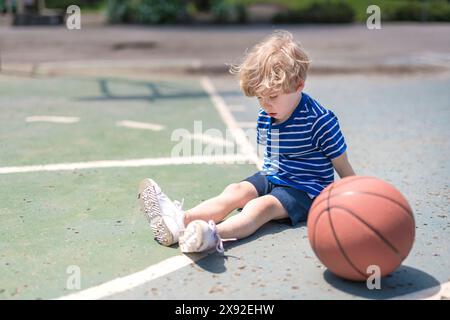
342, 166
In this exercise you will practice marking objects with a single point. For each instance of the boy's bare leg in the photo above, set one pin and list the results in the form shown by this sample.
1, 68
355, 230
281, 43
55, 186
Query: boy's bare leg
255, 213
235, 195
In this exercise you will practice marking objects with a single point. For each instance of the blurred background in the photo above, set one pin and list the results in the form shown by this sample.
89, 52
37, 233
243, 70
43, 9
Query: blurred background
218, 31
227, 11
203, 35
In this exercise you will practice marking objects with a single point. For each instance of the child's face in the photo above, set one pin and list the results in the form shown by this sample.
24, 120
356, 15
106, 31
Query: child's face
280, 105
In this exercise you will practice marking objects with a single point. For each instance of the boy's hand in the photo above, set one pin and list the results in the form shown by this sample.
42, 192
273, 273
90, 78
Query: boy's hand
342, 166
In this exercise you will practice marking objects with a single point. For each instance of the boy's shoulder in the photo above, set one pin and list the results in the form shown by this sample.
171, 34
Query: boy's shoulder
311, 108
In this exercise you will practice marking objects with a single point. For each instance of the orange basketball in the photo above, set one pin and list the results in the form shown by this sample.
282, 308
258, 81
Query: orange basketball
358, 222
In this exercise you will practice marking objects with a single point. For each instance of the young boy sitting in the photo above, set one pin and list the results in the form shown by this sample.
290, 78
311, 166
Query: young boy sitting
303, 144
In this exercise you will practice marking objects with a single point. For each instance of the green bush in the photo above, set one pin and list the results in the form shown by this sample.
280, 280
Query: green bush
304, 11
391, 10
432, 10
117, 11
319, 12
160, 11
439, 11
404, 10
227, 12
146, 11
83, 4
412, 11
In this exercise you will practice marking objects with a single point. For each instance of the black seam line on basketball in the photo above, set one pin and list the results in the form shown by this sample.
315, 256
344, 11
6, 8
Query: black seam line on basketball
315, 227
315, 224
335, 235
390, 245
318, 218
344, 183
342, 249
346, 193
328, 204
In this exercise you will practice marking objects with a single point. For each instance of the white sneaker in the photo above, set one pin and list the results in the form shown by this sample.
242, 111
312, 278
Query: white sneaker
200, 236
166, 217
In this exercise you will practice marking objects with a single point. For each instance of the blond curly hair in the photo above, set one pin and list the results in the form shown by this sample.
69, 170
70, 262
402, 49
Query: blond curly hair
276, 64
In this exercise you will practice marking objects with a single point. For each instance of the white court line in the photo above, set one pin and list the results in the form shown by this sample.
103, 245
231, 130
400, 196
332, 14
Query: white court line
134, 280
439, 292
140, 125
54, 119
233, 158
231, 123
173, 264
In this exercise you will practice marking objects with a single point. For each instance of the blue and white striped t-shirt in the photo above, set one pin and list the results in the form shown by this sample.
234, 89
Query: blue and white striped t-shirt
298, 152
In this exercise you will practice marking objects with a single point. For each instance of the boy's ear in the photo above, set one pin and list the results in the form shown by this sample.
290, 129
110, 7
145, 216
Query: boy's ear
301, 85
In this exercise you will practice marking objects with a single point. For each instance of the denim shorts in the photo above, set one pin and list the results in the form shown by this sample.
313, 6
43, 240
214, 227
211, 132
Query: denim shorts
296, 202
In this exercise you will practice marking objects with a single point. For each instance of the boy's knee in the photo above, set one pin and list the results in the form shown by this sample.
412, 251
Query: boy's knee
263, 203
241, 189
232, 189
266, 205
240, 193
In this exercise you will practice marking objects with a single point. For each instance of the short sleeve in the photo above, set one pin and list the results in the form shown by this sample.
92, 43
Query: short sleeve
327, 135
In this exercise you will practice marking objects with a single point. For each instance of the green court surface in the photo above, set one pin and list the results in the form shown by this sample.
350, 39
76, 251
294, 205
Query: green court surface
99, 103
90, 218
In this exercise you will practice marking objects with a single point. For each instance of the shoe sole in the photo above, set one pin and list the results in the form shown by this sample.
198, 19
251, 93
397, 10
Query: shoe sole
150, 207
197, 233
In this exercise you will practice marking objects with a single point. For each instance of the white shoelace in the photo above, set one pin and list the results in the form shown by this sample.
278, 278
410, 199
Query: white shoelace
219, 242
179, 204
